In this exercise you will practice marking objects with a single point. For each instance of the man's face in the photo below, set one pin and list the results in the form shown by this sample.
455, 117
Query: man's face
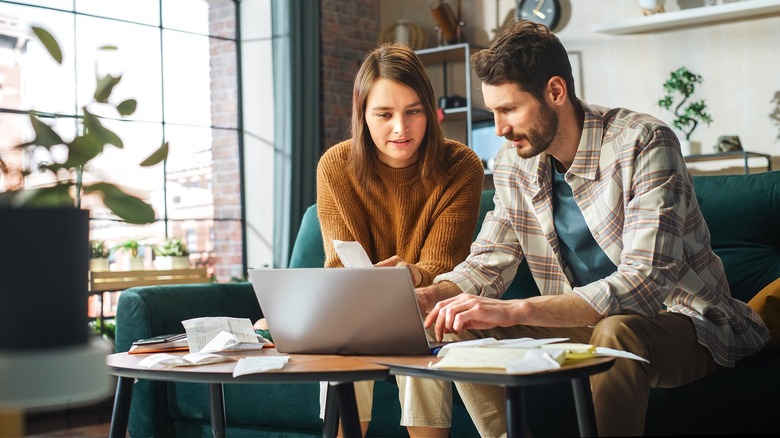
529, 124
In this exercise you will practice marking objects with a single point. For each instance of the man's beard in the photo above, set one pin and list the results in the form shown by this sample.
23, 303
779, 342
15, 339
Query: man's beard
538, 139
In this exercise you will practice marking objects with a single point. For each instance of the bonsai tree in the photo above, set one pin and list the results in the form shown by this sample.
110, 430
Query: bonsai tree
171, 248
69, 186
679, 88
98, 249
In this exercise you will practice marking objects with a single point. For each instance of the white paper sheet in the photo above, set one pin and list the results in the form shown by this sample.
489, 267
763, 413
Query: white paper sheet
253, 365
352, 254
240, 334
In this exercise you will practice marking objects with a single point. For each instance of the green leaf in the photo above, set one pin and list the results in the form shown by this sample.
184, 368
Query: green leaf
82, 149
49, 42
157, 156
105, 87
96, 129
44, 135
127, 107
128, 207
57, 195
108, 47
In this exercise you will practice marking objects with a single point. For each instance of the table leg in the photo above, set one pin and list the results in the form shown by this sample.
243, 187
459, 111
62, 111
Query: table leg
583, 402
121, 411
515, 411
330, 426
217, 402
347, 409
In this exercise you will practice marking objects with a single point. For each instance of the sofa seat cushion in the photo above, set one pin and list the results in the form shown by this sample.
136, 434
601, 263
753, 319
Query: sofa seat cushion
767, 304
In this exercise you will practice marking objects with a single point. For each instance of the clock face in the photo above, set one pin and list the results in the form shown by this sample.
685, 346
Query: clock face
547, 12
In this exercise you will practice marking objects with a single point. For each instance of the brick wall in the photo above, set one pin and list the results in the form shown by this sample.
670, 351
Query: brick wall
349, 29
226, 184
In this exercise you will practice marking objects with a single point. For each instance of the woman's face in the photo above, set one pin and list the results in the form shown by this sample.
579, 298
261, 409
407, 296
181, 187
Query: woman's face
396, 120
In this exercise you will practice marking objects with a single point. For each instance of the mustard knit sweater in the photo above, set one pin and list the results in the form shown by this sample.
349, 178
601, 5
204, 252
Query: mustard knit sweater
396, 215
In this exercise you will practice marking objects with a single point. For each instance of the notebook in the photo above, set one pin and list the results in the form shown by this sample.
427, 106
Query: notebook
351, 311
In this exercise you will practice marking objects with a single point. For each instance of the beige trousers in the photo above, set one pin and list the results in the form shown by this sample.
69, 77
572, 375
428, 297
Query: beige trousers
424, 402
621, 394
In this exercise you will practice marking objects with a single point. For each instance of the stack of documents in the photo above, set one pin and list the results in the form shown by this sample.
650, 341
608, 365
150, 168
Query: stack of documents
519, 355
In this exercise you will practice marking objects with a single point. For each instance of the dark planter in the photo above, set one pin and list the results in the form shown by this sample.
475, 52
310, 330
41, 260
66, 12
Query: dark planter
44, 260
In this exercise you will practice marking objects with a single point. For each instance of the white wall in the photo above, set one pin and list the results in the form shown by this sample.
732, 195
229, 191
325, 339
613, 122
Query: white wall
740, 62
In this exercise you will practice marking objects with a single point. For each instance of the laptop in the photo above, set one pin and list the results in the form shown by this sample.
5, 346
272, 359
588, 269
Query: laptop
349, 311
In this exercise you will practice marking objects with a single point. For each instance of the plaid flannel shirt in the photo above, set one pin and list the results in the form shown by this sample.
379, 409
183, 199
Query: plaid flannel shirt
636, 195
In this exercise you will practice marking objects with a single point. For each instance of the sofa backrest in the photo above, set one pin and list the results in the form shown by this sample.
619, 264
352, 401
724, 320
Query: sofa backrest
741, 211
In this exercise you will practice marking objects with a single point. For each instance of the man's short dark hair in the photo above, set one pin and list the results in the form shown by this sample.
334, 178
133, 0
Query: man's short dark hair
527, 54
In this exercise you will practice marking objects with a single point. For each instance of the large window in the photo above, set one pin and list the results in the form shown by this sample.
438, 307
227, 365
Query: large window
178, 58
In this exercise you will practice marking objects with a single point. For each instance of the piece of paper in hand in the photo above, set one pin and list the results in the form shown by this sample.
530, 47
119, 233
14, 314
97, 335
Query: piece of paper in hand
352, 255
252, 365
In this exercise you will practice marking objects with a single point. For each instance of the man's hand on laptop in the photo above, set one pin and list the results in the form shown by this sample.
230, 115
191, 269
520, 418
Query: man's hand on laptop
428, 296
398, 261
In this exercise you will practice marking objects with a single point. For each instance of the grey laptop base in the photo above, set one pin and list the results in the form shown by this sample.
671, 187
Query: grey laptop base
350, 311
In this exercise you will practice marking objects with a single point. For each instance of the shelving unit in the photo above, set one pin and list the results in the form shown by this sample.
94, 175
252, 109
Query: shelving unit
450, 72
745, 156
727, 12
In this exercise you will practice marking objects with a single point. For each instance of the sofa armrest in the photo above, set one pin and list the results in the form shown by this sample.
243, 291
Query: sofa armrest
148, 311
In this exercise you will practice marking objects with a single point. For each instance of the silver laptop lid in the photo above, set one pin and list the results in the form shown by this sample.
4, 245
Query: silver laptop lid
356, 311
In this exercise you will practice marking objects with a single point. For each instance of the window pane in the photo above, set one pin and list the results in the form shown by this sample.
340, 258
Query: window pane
139, 11
31, 79
188, 173
122, 166
137, 60
187, 15
115, 233
187, 79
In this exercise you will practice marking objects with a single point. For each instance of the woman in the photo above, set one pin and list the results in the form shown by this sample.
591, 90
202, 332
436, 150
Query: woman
409, 196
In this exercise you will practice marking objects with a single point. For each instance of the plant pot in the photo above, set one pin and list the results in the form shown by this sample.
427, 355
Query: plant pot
689, 147
133, 264
172, 262
43, 266
98, 265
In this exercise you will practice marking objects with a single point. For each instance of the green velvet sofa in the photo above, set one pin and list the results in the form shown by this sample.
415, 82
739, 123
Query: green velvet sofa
742, 212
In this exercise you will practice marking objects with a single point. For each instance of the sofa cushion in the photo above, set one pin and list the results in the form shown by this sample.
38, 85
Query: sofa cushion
767, 304
742, 213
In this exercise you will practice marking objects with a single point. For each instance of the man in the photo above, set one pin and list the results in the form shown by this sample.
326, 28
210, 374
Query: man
600, 204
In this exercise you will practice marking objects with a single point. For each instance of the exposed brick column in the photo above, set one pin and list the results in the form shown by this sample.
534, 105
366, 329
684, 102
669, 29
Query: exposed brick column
226, 176
349, 29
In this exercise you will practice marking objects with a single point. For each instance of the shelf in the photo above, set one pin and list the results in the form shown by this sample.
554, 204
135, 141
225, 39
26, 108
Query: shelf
732, 155
727, 12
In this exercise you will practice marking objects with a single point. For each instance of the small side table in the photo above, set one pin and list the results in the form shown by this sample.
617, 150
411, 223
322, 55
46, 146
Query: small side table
577, 372
744, 155
342, 370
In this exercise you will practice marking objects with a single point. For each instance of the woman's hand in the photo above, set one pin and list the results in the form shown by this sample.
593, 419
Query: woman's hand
398, 261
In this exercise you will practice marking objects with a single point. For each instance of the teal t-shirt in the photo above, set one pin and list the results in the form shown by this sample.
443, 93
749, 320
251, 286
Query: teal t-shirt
584, 257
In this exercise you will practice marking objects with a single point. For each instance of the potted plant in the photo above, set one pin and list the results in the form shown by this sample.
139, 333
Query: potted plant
48, 225
133, 261
98, 255
679, 88
172, 254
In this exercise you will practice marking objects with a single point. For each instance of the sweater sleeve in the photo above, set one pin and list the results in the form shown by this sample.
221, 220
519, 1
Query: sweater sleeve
332, 224
452, 230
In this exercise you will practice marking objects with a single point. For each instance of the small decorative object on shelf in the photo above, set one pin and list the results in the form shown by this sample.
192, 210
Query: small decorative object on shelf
172, 254
775, 116
133, 262
679, 88
728, 143
98, 255
650, 7
404, 32
449, 27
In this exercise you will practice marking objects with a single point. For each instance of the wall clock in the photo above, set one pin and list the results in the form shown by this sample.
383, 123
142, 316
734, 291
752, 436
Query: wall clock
547, 12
